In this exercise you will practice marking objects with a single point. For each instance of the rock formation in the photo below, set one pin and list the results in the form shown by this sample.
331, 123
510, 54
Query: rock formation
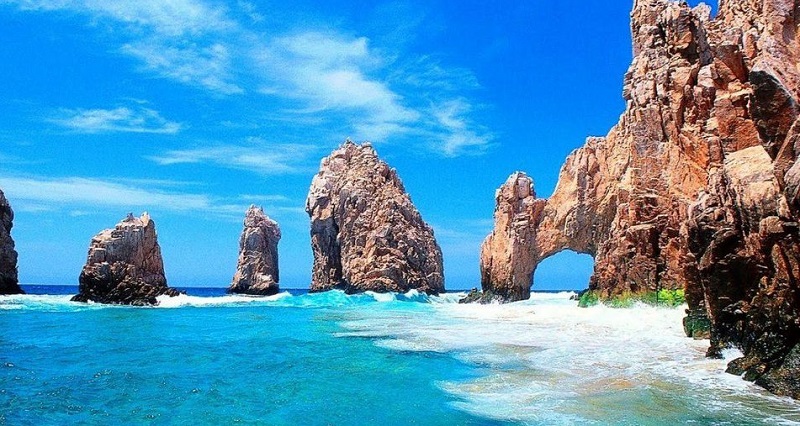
510, 252
696, 187
8, 256
124, 266
257, 268
365, 232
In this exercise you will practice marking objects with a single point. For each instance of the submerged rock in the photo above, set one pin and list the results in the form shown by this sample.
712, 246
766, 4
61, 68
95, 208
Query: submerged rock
696, 187
366, 234
257, 268
124, 266
8, 255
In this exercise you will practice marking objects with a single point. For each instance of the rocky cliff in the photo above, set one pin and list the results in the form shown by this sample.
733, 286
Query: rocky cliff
366, 233
124, 266
8, 256
257, 268
696, 187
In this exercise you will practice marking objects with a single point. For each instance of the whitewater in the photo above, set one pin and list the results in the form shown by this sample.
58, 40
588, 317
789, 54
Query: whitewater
332, 358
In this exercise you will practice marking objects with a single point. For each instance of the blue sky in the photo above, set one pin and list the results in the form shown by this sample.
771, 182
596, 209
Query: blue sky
194, 109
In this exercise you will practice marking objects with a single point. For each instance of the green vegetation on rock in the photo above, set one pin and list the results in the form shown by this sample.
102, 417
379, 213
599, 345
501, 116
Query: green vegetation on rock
670, 298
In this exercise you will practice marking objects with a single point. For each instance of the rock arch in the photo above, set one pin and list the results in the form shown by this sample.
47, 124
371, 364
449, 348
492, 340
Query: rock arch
696, 187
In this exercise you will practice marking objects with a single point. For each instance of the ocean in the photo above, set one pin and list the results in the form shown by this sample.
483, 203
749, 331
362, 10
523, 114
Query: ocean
330, 358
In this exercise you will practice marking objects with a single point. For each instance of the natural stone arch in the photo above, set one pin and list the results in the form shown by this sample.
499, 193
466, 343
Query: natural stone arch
527, 231
696, 187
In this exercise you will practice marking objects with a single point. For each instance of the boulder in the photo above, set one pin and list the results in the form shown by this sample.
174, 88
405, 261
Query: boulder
366, 234
124, 266
257, 268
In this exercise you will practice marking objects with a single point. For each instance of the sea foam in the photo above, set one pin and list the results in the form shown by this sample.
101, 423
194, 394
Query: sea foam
545, 360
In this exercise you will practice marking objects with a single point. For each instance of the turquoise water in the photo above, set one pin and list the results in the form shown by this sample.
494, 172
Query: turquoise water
330, 358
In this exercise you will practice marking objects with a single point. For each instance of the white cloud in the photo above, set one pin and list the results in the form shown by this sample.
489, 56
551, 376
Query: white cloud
120, 119
184, 40
255, 156
329, 72
428, 74
206, 66
457, 136
170, 18
86, 192
341, 80
78, 196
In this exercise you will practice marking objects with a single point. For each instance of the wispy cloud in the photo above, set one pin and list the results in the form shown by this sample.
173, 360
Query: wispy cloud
120, 119
80, 196
86, 192
207, 66
458, 136
255, 155
330, 72
344, 82
170, 18
184, 40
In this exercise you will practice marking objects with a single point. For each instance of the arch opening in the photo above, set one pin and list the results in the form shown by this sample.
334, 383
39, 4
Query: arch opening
566, 270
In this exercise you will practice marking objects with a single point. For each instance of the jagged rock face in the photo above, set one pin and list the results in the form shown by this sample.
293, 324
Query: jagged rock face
257, 269
510, 253
8, 255
366, 234
696, 187
623, 198
124, 266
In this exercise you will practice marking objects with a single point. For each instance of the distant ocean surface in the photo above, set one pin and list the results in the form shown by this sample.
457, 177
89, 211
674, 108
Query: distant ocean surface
329, 358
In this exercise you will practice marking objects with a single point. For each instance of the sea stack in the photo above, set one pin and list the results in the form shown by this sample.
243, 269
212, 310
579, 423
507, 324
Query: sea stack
697, 186
366, 234
257, 268
8, 255
124, 266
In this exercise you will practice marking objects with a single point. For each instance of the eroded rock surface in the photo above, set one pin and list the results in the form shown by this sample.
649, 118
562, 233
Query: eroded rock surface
366, 234
124, 266
257, 268
510, 252
8, 255
696, 187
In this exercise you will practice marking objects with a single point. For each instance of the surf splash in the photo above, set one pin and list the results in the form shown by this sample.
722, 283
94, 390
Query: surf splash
546, 361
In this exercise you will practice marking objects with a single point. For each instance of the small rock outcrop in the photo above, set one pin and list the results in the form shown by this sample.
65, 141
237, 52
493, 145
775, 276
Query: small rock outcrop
124, 266
8, 255
696, 187
257, 268
366, 234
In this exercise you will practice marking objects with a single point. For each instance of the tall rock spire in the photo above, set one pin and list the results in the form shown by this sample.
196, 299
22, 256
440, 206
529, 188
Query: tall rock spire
366, 233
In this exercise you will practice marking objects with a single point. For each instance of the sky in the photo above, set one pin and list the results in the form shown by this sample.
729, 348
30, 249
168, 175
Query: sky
192, 110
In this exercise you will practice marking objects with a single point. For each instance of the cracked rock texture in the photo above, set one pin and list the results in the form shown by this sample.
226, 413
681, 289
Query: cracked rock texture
257, 268
8, 255
696, 187
124, 266
366, 234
